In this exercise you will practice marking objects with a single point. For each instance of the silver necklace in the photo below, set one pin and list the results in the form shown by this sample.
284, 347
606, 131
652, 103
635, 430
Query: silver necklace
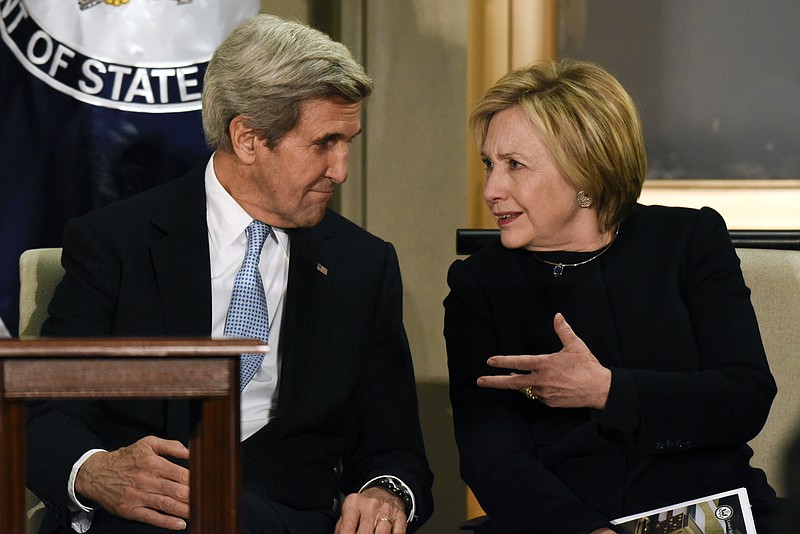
558, 268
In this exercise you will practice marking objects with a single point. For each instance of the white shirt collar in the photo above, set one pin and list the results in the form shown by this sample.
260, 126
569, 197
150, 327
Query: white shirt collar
227, 220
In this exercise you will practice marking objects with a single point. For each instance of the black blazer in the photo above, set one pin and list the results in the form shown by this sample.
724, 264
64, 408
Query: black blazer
347, 410
667, 310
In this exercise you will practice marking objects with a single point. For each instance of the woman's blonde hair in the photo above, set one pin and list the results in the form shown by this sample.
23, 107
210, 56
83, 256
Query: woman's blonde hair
589, 123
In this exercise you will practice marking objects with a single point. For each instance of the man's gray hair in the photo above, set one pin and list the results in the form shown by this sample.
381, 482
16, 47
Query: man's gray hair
266, 69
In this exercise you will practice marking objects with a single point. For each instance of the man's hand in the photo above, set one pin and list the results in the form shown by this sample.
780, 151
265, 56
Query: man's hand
374, 510
139, 483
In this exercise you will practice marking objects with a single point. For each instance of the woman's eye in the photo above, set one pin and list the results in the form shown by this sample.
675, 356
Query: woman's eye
514, 164
488, 164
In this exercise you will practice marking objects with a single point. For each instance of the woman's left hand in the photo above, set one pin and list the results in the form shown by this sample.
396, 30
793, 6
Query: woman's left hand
569, 378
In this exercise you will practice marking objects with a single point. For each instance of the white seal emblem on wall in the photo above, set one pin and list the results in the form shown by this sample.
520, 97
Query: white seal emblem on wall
143, 55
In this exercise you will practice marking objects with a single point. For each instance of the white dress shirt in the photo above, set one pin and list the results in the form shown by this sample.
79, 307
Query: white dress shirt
227, 245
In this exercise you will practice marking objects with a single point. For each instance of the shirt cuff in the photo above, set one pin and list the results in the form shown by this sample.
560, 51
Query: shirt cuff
412, 514
71, 483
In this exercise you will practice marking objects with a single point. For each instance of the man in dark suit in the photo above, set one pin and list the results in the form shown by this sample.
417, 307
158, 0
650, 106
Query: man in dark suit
331, 411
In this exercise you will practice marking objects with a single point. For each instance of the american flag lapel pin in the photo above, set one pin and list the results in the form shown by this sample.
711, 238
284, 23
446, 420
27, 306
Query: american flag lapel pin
321, 268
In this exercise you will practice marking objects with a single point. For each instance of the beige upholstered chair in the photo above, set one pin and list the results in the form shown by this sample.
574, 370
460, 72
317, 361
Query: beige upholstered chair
773, 276
40, 272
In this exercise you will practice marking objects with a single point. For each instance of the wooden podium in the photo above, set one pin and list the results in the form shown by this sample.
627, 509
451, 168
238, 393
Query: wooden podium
205, 371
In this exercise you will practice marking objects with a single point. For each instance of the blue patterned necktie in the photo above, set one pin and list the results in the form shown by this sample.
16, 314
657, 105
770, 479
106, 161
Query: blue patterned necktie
247, 314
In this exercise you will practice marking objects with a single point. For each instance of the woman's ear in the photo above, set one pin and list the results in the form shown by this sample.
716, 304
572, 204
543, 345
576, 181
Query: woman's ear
244, 140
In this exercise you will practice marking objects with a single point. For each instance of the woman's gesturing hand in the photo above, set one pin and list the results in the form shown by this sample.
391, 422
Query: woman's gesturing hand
569, 378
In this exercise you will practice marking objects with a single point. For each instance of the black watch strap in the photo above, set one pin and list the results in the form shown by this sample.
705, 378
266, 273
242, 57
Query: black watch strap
391, 485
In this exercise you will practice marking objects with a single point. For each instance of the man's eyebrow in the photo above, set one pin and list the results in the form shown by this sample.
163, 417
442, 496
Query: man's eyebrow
335, 136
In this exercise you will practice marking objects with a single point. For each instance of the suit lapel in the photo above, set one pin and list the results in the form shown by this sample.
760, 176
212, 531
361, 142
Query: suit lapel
304, 307
181, 261
299, 343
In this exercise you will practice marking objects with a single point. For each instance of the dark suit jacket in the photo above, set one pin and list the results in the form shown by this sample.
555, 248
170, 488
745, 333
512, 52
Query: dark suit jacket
667, 310
347, 392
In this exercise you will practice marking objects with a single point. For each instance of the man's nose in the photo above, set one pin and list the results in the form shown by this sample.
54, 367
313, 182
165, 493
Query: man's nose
337, 167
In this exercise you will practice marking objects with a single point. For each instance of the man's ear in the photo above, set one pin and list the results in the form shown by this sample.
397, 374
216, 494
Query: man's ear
244, 139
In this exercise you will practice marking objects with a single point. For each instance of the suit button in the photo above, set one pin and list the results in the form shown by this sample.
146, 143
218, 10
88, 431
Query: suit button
660, 446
